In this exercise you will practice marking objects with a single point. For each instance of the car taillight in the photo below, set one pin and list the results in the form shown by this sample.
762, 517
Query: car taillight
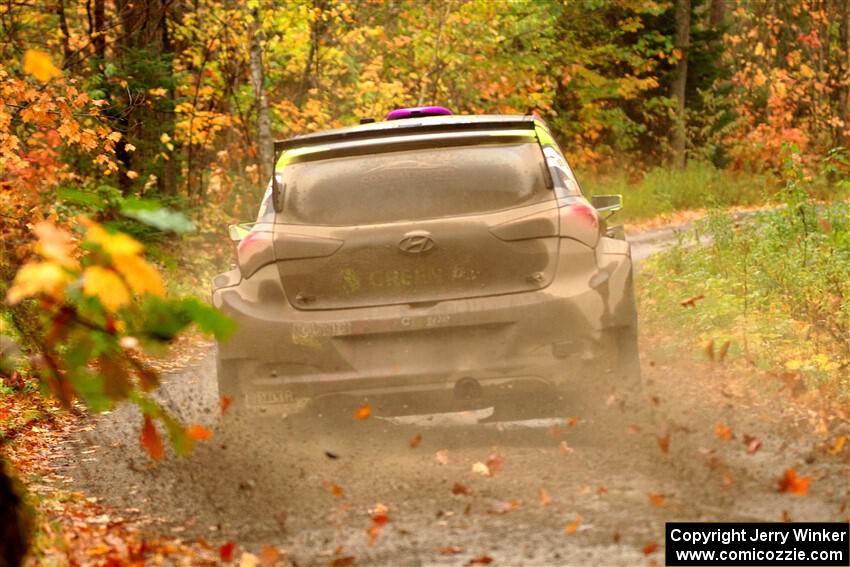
580, 222
254, 251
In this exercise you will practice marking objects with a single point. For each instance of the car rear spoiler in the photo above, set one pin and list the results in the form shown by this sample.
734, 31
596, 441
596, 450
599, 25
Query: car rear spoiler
406, 127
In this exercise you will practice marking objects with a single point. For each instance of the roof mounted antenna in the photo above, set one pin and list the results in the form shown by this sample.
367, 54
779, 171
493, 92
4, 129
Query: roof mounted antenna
418, 112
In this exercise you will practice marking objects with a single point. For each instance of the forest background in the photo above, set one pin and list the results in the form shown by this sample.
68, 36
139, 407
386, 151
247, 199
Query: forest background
155, 119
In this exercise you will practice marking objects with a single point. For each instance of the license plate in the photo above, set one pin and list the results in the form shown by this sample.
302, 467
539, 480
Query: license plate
274, 398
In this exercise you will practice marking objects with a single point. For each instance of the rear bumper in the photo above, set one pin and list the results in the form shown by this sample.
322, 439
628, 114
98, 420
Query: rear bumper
543, 338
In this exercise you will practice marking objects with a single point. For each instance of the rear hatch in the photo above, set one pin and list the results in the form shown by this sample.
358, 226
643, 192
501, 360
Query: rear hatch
416, 220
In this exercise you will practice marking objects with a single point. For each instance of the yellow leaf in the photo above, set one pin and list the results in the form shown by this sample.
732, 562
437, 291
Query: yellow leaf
105, 285
132, 174
53, 243
141, 276
39, 65
759, 50
116, 244
36, 278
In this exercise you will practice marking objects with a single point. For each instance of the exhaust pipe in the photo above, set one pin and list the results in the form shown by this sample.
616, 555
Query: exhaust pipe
467, 389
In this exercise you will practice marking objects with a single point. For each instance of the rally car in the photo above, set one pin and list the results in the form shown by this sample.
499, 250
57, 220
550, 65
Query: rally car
428, 262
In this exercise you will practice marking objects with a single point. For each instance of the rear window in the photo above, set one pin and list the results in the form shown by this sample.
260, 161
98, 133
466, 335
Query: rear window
414, 184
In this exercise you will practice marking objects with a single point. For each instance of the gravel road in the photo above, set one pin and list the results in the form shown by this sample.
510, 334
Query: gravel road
596, 492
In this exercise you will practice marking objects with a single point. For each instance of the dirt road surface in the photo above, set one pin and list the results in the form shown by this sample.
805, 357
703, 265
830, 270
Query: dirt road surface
596, 492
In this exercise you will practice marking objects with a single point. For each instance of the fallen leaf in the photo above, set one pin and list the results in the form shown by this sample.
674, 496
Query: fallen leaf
723, 432
270, 555
331, 455
573, 526
481, 560
616, 537
555, 430
602, 490
480, 468
634, 428
565, 449
790, 482
344, 561
573, 421
151, 440
458, 489
199, 433
786, 517
225, 403
664, 443
442, 456
839, 443
248, 560
543, 497
753, 444
379, 518
415, 441
225, 552
505, 506
363, 412
450, 550
333, 488
494, 463
657, 500
691, 301
650, 548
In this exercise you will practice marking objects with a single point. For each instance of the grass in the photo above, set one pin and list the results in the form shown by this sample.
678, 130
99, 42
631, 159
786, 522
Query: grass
665, 190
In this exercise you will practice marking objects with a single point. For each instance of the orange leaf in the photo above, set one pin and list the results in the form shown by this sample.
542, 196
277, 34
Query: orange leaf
494, 463
458, 488
573, 421
151, 441
657, 499
225, 403
481, 560
415, 441
343, 561
573, 526
664, 443
363, 412
270, 555
450, 550
544, 497
723, 432
691, 301
650, 548
336, 490
199, 433
790, 482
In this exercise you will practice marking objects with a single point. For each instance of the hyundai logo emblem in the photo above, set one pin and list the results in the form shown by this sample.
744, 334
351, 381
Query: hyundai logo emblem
417, 242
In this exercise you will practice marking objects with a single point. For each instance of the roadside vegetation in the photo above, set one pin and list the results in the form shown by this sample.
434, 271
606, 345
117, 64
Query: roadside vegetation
772, 290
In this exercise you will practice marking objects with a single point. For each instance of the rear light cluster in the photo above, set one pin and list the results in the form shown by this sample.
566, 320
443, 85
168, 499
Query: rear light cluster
254, 251
580, 222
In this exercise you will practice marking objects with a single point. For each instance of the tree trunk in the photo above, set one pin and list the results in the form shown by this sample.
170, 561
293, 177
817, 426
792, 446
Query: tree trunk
717, 14
98, 34
13, 526
680, 81
265, 145
145, 35
66, 35
841, 134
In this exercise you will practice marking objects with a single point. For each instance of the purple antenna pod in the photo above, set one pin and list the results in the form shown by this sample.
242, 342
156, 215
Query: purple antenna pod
418, 112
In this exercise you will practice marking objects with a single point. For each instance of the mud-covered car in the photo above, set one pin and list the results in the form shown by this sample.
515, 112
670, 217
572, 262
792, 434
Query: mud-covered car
428, 263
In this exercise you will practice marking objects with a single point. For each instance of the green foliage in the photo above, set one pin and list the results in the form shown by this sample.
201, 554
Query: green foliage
777, 284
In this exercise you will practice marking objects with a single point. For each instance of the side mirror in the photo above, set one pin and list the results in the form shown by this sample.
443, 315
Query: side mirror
607, 203
238, 232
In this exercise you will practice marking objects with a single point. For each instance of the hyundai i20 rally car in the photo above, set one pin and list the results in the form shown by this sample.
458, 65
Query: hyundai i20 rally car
427, 262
